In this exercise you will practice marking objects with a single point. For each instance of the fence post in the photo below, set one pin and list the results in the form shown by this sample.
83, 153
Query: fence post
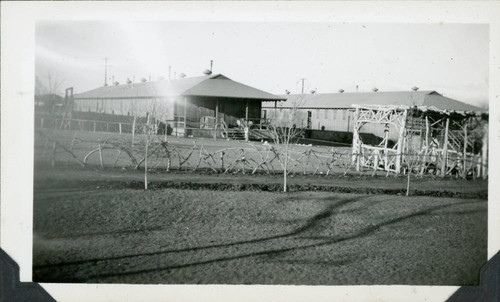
54, 154
94, 125
71, 148
100, 156
375, 161
41, 123
133, 131
120, 127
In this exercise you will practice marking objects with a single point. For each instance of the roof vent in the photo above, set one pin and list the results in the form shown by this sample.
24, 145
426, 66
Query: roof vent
287, 92
144, 80
313, 91
374, 89
129, 81
341, 90
414, 88
181, 75
116, 83
207, 72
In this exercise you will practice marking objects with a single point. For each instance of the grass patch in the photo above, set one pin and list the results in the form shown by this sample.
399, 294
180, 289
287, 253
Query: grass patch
255, 237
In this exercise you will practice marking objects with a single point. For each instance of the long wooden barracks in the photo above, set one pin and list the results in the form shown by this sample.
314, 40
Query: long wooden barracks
183, 103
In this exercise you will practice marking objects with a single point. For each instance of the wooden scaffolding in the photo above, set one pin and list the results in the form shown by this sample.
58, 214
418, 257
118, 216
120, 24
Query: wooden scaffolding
429, 141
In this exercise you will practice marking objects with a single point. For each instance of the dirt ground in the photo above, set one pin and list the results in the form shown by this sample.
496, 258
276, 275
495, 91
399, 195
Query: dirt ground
224, 237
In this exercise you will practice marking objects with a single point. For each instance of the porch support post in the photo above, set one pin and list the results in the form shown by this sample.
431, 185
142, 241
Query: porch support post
355, 140
464, 172
401, 141
386, 153
185, 116
444, 154
246, 112
216, 111
176, 116
426, 146
275, 107
216, 118
484, 155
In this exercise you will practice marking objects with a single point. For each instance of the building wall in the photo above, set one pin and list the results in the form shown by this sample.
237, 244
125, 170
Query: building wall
341, 120
166, 109
162, 108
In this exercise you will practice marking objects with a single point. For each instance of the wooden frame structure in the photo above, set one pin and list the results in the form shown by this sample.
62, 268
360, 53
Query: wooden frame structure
429, 141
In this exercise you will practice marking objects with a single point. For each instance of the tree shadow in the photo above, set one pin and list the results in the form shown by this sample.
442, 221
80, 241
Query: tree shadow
310, 224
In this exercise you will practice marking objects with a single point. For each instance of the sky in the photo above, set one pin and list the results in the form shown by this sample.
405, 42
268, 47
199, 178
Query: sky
451, 59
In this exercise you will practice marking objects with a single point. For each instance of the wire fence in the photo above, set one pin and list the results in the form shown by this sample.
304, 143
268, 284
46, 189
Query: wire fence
221, 156
101, 149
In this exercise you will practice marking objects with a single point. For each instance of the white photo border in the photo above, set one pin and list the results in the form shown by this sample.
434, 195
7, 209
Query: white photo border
17, 128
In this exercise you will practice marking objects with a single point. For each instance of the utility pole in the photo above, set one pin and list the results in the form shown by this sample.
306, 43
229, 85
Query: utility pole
105, 71
211, 64
303, 79
106, 66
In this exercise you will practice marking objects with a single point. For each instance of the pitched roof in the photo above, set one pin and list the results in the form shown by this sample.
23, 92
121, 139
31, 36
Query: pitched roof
390, 98
211, 85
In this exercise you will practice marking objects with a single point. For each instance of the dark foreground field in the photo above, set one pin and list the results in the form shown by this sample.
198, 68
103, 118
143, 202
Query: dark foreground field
222, 237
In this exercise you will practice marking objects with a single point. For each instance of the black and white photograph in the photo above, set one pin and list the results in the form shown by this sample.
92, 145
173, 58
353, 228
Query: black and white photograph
260, 153
224, 152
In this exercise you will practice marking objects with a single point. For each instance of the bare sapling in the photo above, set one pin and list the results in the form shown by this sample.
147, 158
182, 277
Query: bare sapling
285, 134
146, 155
410, 156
